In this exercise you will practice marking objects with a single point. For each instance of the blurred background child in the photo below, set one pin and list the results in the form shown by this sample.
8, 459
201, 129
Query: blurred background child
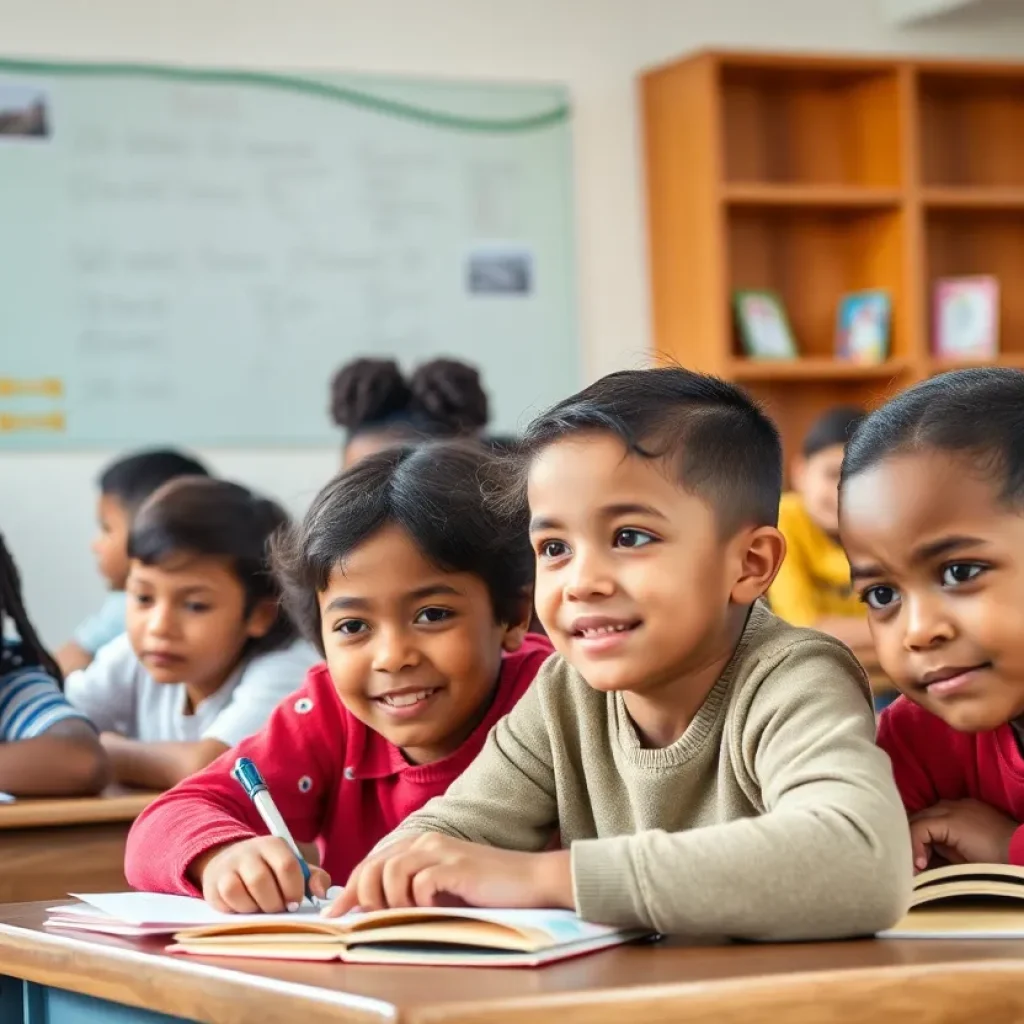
124, 485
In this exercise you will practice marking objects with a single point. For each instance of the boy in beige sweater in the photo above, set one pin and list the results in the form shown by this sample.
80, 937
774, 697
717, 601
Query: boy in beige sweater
709, 770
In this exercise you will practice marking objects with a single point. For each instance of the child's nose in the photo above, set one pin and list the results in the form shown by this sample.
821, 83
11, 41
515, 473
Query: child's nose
927, 623
588, 577
393, 651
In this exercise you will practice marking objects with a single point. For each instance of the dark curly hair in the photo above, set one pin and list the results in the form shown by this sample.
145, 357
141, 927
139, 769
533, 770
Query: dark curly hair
442, 398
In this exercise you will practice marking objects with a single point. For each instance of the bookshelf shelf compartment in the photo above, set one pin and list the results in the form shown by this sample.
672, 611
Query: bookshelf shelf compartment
967, 244
813, 176
811, 126
972, 129
811, 259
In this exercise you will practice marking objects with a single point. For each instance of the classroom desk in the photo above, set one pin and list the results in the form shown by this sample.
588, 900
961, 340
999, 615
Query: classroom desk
49, 848
49, 977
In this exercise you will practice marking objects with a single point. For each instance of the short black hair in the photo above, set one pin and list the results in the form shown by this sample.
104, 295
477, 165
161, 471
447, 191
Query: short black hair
438, 493
722, 447
132, 479
833, 427
203, 516
978, 413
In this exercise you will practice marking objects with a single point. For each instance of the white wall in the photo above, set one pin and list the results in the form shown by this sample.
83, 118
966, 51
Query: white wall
597, 46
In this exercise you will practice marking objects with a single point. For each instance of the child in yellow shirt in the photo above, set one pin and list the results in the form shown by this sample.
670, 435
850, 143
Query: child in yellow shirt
813, 586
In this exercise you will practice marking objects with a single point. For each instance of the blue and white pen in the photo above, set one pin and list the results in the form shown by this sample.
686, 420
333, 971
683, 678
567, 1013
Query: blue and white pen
247, 775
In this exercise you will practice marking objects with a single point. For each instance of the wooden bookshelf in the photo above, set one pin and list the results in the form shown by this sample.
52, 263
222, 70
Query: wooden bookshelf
813, 177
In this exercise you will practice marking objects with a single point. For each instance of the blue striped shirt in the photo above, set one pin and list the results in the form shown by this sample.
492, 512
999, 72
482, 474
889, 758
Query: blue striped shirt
31, 703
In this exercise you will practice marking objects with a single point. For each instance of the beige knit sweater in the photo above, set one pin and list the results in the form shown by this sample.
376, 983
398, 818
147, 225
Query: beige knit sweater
774, 816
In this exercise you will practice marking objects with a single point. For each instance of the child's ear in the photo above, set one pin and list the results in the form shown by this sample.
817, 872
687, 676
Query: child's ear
515, 633
262, 617
761, 551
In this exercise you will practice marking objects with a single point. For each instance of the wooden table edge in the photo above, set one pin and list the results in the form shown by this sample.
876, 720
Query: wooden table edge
729, 999
126, 976
63, 813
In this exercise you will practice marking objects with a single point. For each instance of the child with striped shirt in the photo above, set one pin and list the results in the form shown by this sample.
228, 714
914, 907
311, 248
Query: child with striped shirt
47, 748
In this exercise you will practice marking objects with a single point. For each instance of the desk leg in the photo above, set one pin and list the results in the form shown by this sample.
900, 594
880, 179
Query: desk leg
22, 1002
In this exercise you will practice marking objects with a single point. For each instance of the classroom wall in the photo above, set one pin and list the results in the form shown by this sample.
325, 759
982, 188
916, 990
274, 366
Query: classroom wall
597, 46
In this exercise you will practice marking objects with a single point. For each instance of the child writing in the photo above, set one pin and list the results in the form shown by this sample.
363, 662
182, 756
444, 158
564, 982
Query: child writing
932, 517
209, 651
124, 486
47, 748
709, 769
378, 406
417, 593
813, 585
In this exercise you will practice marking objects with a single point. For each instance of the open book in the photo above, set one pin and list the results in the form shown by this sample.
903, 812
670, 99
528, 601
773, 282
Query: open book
456, 937
965, 901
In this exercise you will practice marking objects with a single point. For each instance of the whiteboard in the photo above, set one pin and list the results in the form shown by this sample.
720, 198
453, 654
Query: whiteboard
186, 255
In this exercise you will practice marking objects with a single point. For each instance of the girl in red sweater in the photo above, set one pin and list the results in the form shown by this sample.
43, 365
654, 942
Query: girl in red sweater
931, 504
418, 594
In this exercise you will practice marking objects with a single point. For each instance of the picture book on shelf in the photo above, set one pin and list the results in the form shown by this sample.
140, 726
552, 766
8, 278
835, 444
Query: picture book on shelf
461, 937
965, 901
966, 318
862, 330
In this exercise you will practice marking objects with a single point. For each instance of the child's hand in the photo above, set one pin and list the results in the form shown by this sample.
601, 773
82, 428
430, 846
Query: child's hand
431, 870
256, 875
961, 832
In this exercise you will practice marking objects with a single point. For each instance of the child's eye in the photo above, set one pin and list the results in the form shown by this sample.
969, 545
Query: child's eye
351, 627
142, 600
630, 538
197, 607
880, 598
553, 549
961, 572
428, 616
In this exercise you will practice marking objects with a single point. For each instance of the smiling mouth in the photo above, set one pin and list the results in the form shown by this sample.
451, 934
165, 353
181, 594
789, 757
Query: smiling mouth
408, 699
950, 678
592, 632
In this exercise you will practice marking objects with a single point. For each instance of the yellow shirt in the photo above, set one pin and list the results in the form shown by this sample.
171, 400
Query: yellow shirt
814, 580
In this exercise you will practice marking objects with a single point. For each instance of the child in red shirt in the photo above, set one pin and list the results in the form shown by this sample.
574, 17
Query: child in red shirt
418, 594
931, 503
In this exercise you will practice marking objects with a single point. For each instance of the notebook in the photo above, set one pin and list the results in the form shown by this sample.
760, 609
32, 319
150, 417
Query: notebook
965, 901
464, 937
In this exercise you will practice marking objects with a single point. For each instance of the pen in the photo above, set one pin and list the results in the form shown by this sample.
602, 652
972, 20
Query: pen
247, 775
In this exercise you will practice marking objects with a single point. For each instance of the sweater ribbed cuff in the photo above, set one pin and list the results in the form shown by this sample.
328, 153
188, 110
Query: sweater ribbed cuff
1017, 847
603, 882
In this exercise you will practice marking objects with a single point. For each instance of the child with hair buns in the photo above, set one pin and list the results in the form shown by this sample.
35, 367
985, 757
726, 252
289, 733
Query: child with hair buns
379, 407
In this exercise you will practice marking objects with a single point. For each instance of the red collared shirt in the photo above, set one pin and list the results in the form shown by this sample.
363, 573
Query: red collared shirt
333, 779
931, 761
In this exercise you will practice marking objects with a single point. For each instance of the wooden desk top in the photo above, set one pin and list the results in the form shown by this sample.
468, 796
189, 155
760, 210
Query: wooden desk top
113, 804
667, 982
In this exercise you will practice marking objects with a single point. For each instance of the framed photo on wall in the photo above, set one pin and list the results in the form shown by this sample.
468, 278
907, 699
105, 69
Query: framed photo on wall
763, 325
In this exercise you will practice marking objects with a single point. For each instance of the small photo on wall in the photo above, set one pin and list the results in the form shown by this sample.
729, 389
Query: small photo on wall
763, 325
24, 112
500, 270
966, 318
862, 330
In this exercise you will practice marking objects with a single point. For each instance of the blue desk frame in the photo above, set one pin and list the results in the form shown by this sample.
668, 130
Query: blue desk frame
23, 1002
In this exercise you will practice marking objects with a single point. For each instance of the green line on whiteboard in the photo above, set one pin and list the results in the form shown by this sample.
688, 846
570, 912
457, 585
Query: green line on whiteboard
310, 87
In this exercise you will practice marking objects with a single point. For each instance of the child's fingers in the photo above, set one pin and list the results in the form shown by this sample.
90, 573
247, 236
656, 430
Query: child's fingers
920, 842
287, 872
233, 894
259, 879
319, 882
